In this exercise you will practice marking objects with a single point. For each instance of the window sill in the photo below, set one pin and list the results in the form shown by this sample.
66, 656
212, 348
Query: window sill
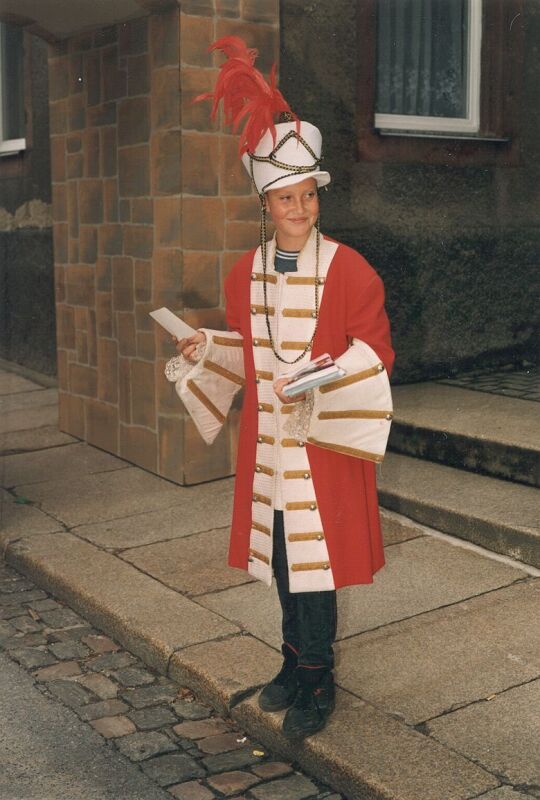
12, 147
441, 135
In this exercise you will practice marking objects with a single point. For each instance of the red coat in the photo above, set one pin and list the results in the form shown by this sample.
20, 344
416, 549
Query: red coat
345, 486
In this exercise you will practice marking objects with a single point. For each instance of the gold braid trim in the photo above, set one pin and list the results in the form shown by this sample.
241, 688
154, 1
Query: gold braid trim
347, 451
262, 528
225, 373
310, 565
224, 340
359, 414
205, 400
305, 537
259, 556
354, 378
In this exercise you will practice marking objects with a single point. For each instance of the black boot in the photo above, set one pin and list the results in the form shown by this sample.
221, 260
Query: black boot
281, 691
313, 704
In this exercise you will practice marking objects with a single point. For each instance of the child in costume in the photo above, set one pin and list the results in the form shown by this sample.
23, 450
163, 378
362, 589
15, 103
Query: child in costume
305, 507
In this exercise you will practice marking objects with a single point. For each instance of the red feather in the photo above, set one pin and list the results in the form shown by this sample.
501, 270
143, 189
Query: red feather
245, 93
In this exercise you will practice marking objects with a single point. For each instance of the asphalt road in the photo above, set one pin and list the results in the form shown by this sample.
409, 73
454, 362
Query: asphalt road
47, 753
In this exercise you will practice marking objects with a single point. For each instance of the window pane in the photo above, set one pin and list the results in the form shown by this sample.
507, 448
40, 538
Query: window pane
12, 82
422, 57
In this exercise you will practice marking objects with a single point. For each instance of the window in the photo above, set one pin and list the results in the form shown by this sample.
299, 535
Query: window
12, 123
439, 81
428, 66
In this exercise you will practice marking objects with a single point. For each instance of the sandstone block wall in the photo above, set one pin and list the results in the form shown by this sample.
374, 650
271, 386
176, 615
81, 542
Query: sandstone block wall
151, 207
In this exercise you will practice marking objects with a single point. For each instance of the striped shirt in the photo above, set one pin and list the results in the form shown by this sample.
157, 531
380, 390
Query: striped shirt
285, 260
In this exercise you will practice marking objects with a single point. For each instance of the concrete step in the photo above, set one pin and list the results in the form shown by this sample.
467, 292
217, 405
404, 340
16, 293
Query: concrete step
501, 516
476, 431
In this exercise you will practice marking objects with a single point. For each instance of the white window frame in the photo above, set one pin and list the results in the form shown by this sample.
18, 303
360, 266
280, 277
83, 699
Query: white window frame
8, 147
417, 125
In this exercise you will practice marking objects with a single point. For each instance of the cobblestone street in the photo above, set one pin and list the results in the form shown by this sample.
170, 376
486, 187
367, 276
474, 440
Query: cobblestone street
176, 741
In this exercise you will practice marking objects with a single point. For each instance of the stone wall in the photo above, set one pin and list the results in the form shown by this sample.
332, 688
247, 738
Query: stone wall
151, 207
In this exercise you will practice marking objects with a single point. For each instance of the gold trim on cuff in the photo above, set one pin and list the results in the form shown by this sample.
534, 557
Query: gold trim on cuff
347, 451
310, 565
265, 376
357, 414
306, 537
259, 556
205, 400
354, 378
261, 528
225, 373
265, 407
288, 408
227, 342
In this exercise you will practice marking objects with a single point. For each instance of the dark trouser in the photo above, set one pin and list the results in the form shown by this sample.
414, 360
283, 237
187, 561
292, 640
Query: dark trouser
309, 618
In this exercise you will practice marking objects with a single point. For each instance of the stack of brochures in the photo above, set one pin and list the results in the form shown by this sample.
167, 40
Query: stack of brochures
318, 372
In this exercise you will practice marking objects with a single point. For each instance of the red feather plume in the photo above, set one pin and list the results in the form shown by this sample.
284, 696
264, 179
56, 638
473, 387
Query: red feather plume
245, 93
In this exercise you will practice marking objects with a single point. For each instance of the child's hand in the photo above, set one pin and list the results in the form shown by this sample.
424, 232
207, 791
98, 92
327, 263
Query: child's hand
278, 389
186, 347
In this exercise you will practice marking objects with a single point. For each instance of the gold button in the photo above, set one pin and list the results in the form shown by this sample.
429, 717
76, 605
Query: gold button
255, 498
380, 367
300, 444
253, 276
255, 342
258, 469
250, 558
260, 406
320, 281
259, 439
253, 310
306, 475
320, 537
314, 314
257, 380
388, 416
313, 507
326, 566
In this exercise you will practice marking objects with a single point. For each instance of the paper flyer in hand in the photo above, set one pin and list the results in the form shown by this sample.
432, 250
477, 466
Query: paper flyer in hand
173, 324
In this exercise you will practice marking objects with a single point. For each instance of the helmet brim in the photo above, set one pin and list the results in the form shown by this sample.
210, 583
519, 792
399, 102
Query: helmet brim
322, 178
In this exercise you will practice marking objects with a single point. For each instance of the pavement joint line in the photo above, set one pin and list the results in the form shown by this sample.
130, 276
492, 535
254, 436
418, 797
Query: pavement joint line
466, 545
466, 704
119, 550
434, 610
15, 452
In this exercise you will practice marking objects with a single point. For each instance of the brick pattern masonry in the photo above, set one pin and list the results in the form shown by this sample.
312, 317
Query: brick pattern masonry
151, 207
176, 740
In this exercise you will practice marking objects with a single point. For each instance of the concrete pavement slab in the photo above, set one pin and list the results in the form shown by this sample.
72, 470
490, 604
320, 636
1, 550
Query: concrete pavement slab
58, 463
197, 508
104, 496
15, 417
145, 616
419, 575
496, 514
445, 666
191, 565
10, 383
18, 519
225, 671
506, 793
33, 439
367, 755
502, 734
